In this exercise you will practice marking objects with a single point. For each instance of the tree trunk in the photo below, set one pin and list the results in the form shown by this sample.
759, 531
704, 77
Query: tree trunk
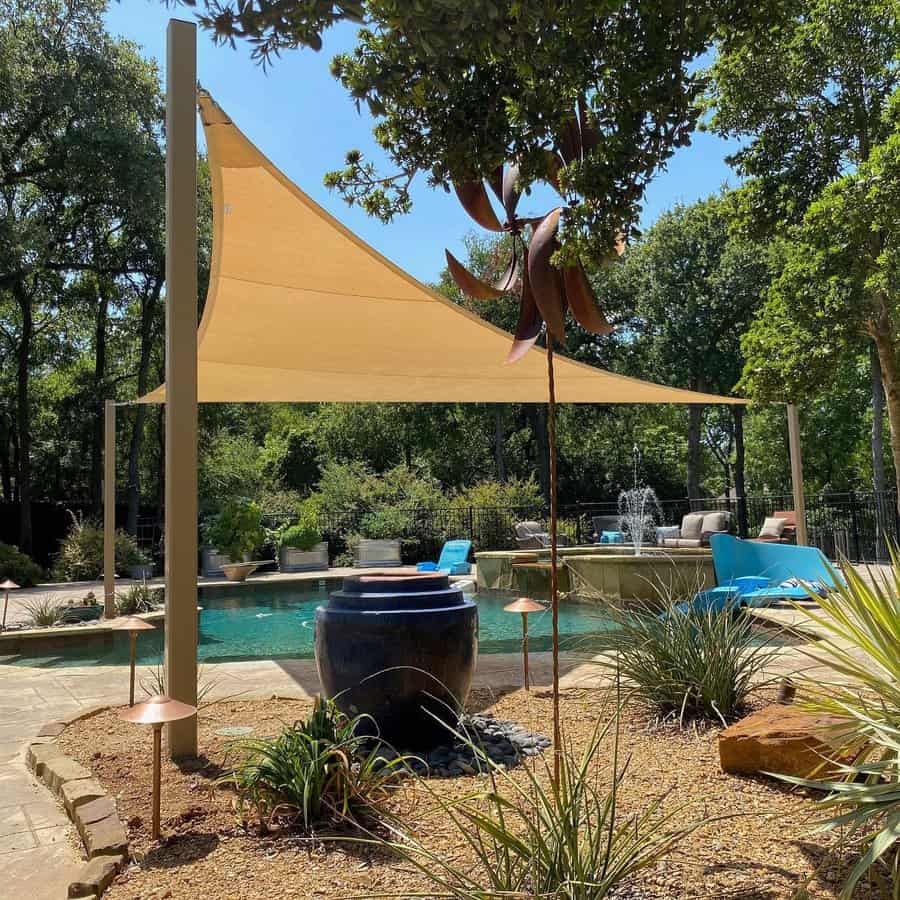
100, 322
740, 487
879, 479
23, 417
498, 442
148, 314
5, 463
542, 448
695, 422
886, 344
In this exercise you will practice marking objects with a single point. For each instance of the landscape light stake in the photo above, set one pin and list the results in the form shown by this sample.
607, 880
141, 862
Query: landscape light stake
131, 624
7, 586
524, 606
157, 711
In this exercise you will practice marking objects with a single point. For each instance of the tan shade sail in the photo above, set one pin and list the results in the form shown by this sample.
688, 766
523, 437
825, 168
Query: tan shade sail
301, 309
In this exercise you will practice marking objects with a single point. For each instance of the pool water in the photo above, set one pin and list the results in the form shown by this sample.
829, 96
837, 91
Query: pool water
262, 622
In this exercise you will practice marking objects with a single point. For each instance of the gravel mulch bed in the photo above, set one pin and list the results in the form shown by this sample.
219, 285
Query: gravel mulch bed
763, 850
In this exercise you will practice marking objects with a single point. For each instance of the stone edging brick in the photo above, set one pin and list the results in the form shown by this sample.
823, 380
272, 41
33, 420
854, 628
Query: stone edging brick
90, 808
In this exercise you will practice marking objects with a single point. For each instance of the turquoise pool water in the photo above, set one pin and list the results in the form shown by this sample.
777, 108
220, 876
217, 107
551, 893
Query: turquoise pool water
263, 622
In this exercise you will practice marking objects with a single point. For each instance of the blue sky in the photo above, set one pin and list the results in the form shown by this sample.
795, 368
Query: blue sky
304, 122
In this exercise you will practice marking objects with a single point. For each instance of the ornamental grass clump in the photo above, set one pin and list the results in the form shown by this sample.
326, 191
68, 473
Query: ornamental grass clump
540, 837
44, 611
687, 661
317, 772
860, 622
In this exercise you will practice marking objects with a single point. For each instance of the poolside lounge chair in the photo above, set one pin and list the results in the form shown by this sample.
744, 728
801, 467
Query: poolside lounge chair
531, 535
751, 573
774, 533
454, 559
698, 527
608, 524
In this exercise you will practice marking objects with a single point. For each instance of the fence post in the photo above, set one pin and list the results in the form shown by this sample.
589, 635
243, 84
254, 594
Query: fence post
471, 524
855, 525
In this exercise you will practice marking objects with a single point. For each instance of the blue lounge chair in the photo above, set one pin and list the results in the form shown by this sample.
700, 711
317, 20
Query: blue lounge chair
750, 573
453, 559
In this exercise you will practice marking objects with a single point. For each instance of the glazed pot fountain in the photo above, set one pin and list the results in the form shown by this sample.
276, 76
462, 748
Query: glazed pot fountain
398, 645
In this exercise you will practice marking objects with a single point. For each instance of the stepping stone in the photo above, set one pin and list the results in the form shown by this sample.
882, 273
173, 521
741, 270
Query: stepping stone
782, 739
52, 729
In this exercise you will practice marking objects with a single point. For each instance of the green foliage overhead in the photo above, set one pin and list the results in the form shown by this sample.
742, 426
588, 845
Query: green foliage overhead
458, 87
808, 93
18, 566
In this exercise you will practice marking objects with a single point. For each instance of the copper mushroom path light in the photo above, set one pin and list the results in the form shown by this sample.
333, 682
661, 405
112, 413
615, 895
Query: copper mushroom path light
7, 586
131, 624
157, 711
525, 605
545, 293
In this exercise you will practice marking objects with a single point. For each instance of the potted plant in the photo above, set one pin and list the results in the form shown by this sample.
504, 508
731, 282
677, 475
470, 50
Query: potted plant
301, 548
380, 545
235, 533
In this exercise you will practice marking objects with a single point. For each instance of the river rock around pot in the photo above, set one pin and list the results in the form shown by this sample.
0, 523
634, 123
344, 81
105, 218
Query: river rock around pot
504, 742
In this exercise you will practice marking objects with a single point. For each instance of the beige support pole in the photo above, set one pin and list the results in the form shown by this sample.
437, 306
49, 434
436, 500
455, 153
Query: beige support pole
793, 420
109, 509
181, 379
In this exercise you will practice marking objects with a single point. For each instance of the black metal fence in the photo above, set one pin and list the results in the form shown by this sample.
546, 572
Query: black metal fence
858, 525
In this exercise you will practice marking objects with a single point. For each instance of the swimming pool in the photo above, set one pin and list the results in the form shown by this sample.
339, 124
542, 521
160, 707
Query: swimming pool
276, 622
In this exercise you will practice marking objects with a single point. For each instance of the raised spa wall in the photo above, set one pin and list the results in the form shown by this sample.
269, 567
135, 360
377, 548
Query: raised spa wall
612, 572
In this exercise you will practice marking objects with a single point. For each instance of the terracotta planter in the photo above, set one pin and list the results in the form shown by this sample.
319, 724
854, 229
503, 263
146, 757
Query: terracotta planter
377, 553
239, 571
290, 559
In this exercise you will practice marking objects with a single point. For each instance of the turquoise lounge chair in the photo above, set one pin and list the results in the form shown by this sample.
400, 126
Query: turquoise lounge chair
453, 559
750, 573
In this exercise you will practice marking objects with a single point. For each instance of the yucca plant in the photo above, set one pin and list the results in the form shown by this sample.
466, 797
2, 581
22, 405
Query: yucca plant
860, 622
543, 837
318, 771
687, 660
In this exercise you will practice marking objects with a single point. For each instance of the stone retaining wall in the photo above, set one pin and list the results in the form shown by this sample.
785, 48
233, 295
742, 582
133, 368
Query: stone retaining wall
90, 808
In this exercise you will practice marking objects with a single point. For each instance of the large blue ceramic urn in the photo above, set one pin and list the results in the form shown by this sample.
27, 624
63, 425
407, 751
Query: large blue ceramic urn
399, 646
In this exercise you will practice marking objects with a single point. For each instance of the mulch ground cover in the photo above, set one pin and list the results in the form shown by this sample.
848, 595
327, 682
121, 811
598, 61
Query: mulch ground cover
760, 845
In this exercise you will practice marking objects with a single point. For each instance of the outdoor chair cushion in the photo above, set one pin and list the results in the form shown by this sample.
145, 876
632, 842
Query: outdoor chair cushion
682, 542
715, 523
612, 537
666, 532
772, 527
692, 526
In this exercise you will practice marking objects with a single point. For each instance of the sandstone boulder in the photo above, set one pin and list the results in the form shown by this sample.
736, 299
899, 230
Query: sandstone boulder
786, 740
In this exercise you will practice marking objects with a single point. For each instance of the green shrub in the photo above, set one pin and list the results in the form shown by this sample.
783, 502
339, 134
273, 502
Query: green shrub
301, 537
385, 524
318, 771
139, 598
533, 837
861, 624
517, 492
81, 554
686, 661
42, 612
19, 567
237, 530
